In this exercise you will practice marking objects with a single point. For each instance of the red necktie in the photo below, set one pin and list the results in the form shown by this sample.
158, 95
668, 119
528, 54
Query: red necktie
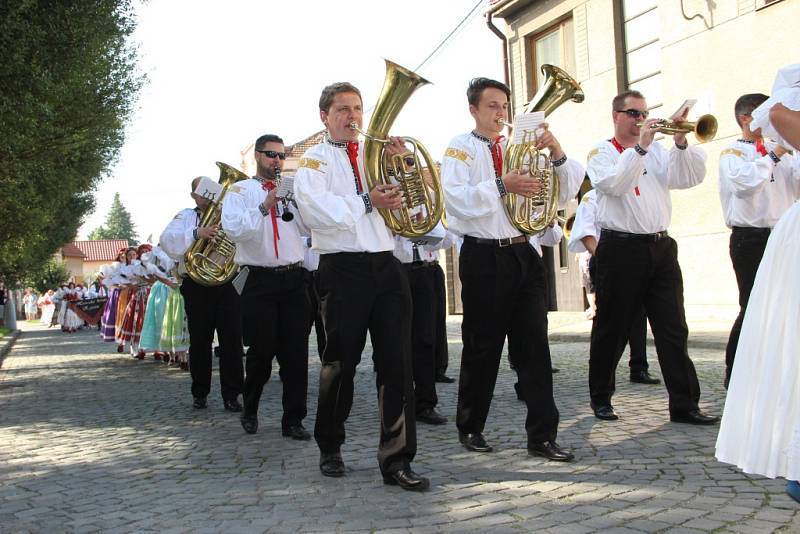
268, 185
352, 154
760, 148
497, 156
620, 148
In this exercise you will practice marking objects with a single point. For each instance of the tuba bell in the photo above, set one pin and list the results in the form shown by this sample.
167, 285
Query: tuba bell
209, 262
424, 200
531, 215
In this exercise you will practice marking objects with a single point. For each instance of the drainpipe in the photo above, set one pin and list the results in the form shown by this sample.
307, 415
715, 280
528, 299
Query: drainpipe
501, 35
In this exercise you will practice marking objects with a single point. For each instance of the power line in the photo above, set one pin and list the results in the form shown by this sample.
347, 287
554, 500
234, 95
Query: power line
449, 35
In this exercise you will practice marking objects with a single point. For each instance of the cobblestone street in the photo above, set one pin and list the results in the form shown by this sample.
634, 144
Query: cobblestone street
91, 440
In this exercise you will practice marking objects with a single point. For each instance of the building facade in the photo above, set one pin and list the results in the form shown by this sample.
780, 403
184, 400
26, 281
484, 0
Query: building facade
84, 258
670, 50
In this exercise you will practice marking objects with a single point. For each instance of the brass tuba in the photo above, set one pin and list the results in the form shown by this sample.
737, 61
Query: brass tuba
424, 200
531, 215
209, 262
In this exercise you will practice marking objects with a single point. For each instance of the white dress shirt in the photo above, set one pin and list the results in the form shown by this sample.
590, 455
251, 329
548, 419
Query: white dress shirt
252, 231
754, 191
585, 224
404, 246
311, 259
178, 236
616, 177
474, 204
326, 194
549, 237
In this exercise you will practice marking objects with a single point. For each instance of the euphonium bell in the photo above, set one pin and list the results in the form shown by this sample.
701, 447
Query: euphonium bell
209, 262
424, 200
531, 215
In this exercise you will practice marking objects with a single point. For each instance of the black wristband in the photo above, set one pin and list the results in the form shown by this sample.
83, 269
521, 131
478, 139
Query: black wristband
560, 161
367, 201
194, 234
501, 187
774, 157
684, 146
639, 150
264, 211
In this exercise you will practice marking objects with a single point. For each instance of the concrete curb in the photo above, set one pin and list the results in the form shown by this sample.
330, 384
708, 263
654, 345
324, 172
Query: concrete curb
6, 343
581, 337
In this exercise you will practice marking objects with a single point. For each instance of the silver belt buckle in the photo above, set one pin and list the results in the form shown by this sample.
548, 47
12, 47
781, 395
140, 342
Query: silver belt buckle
504, 242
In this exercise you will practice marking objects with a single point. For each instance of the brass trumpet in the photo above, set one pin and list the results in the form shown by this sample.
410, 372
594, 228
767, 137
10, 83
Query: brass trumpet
705, 128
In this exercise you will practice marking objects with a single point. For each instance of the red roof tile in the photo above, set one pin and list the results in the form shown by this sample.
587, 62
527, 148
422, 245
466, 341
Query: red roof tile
71, 251
100, 250
299, 148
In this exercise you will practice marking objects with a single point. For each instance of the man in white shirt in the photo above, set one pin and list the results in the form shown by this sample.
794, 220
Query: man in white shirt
636, 261
207, 309
758, 182
361, 287
274, 303
502, 276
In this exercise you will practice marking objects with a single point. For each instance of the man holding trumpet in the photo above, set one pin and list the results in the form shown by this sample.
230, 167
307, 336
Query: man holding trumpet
636, 260
502, 276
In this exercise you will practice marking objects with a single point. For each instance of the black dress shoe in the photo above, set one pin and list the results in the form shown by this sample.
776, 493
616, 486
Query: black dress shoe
200, 403
605, 412
249, 423
554, 370
551, 451
331, 464
474, 442
643, 377
297, 432
406, 479
431, 416
444, 379
233, 405
518, 392
694, 417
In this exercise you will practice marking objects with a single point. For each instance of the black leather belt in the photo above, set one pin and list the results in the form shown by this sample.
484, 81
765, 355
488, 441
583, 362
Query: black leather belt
751, 230
614, 234
505, 242
419, 264
279, 269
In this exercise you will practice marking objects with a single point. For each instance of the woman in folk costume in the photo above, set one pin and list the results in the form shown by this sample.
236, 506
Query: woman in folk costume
71, 320
158, 266
133, 320
126, 290
760, 430
29, 300
48, 307
108, 273
174, 330
61, 302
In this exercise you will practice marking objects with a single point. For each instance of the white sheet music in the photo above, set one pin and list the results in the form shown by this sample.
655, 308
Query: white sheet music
208, 189
526, 122
286, 188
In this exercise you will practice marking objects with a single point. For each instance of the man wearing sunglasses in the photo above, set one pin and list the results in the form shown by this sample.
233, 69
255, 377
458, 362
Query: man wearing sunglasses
269, 244
636, 261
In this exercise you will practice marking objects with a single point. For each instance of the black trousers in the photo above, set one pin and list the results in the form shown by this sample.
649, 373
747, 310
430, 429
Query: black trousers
503, 291
633, 272
423, 334
275, 306
637, 338
314, 311
362, 292
209, 309
440, 315
746, 249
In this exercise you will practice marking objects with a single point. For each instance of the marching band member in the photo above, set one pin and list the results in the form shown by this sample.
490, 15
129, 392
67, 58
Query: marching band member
636, 261
583, 240
208, 308
274, 303
758, 182
362, 287
502, 276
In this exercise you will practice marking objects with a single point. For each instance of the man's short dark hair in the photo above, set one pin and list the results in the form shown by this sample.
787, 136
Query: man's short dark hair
745, 105
478, 85
619, 101
330, 92
267, 138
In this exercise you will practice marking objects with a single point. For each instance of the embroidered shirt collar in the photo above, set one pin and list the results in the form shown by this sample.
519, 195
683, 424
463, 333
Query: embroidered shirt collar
748, 141
482, 138
337, 144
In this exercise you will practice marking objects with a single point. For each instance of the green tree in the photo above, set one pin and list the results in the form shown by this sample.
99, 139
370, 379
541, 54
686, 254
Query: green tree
68, 85
118, 224
48, 276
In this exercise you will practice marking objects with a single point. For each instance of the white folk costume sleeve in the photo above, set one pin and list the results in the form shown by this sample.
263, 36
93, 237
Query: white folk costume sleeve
178, 236
742, 177
614, 176
551, 236
570, 176
466, 199
686, 168
585, 224
241, 218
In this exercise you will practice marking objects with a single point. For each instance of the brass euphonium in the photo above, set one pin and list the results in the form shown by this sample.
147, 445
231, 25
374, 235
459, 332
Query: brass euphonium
424, 200
531, 215
209, 262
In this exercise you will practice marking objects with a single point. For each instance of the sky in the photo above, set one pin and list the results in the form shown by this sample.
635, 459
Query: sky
222, 73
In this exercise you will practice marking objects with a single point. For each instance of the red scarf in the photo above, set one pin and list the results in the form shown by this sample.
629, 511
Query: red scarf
352, 154
760, 148
497, 156
269, 185
620, 148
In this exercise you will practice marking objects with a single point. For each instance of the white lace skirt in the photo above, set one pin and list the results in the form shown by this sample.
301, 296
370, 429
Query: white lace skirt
760, 430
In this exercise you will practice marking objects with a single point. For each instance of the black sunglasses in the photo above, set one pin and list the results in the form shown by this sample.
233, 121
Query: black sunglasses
633, 113
273, 154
